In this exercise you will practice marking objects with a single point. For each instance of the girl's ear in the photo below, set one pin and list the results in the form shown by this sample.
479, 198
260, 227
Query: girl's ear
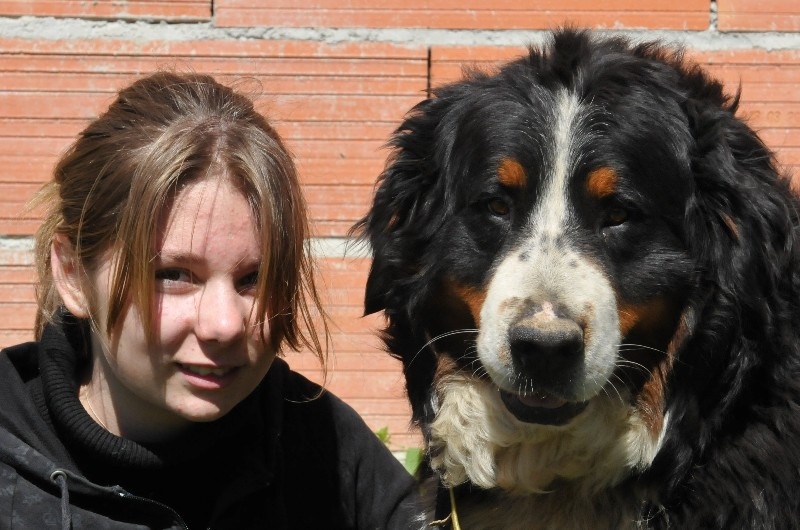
68, 276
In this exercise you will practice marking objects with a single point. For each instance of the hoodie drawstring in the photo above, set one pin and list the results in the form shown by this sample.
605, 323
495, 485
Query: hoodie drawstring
60, 477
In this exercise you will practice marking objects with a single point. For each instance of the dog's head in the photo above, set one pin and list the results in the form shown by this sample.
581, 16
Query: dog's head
546, 240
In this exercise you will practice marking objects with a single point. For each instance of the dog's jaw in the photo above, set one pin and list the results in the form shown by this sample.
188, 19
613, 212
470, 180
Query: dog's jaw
475, 439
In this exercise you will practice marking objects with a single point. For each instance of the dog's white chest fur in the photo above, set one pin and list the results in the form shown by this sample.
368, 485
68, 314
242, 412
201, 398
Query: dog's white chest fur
553, 478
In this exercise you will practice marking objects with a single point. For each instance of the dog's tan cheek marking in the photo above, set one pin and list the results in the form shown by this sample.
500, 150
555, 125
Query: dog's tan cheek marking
601, 182
512, 174
445, 366
682, 331
472, 297
651, 400
642, 316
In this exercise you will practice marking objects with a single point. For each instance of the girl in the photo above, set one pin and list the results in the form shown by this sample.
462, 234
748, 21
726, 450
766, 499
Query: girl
173, 268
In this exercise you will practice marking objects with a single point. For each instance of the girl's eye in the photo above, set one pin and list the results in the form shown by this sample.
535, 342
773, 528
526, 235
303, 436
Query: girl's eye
172, 276
498, 207
248, 281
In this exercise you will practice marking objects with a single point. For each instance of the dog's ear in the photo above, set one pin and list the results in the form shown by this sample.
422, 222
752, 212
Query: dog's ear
741, 222
403, 216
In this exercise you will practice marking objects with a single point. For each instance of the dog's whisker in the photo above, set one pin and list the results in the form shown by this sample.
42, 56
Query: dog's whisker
626, 363
438, 337
612, 385
632, 346
444, 335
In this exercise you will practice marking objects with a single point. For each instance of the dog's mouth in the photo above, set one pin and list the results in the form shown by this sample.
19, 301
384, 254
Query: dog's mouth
541, 407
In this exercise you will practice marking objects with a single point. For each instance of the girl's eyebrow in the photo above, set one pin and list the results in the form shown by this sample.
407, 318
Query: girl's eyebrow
180, 257
177, 256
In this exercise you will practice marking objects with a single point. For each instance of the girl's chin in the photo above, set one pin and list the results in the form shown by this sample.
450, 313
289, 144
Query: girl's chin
205, 414
197, 409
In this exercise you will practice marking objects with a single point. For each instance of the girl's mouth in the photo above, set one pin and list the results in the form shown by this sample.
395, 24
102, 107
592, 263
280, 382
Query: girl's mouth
208, 377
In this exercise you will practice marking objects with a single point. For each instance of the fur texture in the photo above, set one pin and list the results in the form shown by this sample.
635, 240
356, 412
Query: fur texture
589, 268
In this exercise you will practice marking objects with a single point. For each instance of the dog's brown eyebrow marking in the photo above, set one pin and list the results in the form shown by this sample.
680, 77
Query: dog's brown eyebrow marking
601, 182
511, 173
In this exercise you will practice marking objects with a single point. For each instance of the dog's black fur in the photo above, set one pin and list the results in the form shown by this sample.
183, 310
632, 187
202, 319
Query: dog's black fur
675, 206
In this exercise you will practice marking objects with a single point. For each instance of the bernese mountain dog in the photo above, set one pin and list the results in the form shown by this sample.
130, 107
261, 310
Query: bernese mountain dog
589, 267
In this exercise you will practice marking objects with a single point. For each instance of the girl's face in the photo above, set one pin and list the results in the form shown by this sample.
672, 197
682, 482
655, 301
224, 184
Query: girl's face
208, 355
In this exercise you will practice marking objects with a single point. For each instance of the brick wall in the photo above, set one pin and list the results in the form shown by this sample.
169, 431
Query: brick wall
336, 76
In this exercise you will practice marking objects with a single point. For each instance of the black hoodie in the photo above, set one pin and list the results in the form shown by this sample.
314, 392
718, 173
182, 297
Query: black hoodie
282, 459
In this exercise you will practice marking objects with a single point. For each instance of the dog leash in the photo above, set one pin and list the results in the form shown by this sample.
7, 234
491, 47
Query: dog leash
451, 520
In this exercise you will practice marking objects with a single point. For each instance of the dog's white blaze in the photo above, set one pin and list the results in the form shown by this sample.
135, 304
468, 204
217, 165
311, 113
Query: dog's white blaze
544, 270
552, 219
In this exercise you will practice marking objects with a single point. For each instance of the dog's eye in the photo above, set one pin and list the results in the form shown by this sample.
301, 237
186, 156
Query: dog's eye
497, 206
616, 216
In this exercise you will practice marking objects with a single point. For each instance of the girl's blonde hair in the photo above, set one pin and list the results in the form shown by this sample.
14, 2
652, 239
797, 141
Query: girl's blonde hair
110, 187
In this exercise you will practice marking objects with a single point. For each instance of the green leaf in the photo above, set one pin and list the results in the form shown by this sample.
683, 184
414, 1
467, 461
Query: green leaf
413, 459
383, 435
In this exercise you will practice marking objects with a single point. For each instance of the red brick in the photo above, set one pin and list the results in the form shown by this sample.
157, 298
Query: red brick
17, 315
758, 15
315, 170
10, 337
355, 384
173, 10
16, 293
368, 359
18, 226
468, 14
15, 274
377, 406
377, 57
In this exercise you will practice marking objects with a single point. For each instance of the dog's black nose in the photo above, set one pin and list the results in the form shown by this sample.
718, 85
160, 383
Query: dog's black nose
547, 352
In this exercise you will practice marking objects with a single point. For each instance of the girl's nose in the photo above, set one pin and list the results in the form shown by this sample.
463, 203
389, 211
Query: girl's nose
222, 313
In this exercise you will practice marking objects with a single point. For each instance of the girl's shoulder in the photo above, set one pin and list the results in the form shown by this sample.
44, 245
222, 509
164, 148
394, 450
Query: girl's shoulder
308, 402
23, 359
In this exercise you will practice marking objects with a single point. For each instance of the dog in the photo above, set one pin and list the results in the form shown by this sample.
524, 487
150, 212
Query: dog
588, 265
